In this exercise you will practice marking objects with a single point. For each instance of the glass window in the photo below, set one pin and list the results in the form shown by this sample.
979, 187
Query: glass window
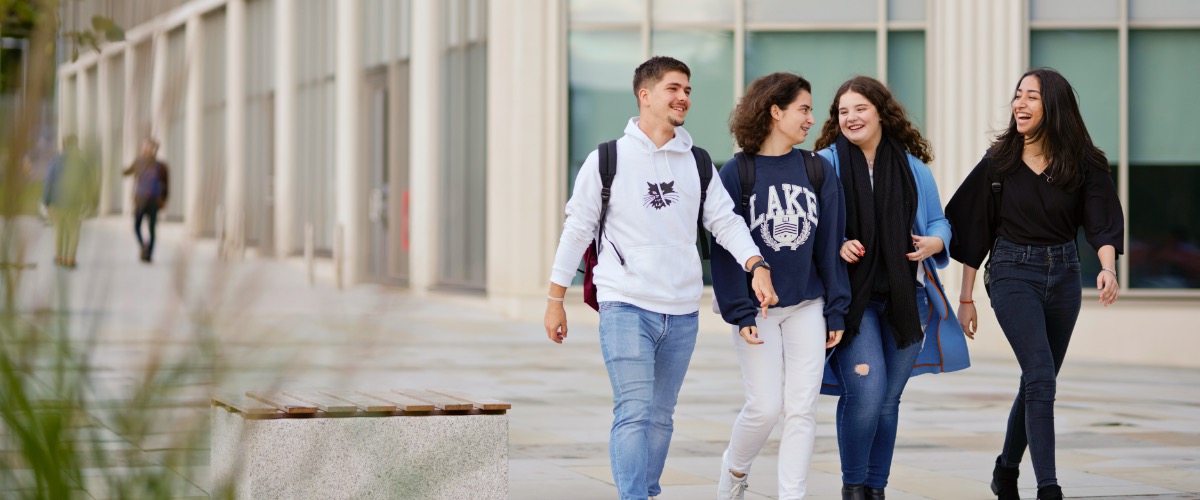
1164, 160
600, 68
812, 11
826, 59
709, 54
1088, 59
607, 11
1074, 10
1164, 10
906, 73
906, 10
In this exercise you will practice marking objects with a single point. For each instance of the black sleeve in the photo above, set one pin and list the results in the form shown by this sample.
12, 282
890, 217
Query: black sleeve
971, 219
1103, 221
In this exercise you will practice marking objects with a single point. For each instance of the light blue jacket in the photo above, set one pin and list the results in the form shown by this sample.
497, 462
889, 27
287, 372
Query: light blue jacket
945, 346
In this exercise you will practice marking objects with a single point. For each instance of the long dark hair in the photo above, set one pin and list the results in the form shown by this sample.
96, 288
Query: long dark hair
892, 118
750, 121
1065, 139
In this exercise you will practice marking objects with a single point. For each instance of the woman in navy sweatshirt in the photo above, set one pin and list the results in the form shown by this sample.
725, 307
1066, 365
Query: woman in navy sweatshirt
795, 222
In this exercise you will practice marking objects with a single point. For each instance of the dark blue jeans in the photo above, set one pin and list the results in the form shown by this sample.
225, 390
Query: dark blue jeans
873, 373
1036, 294
149, 212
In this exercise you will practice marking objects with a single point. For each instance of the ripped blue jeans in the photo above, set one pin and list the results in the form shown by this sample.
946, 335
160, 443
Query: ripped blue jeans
873, 373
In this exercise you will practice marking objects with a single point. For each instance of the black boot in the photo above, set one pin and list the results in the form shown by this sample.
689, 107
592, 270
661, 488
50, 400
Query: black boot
875, 494
1004, 482
854, 492
1052, 492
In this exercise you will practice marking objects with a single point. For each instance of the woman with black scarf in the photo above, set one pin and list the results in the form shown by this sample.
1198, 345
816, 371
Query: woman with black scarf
895, 235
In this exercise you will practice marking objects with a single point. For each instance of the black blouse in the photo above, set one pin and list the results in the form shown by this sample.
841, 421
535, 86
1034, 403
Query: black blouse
1032, 212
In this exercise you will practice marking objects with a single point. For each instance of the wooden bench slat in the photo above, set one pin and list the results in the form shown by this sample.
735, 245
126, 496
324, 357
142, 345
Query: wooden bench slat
286, 404
402, 403
481, 403
364, 403
441, 402
245, 404
324, 403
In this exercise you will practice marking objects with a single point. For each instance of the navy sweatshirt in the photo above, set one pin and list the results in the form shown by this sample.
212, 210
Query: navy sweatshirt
798, 232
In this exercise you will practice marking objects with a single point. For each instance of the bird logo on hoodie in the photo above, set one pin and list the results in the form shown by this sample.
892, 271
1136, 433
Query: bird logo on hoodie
660, 195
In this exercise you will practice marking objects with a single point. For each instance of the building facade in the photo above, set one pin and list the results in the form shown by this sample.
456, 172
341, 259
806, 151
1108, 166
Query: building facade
431, 145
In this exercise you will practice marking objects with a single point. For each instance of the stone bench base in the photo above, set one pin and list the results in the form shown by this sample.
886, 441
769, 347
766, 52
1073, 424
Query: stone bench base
385, 457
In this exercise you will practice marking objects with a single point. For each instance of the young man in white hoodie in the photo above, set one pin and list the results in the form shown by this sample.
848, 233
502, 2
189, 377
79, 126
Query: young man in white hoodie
648, 276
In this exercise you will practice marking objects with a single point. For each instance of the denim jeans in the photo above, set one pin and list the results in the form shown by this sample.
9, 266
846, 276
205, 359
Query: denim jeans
647, 356
149, 212
781, 374
873, 373
1036, 294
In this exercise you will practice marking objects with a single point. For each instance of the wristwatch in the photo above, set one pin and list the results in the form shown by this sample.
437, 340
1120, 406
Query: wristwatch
761, 263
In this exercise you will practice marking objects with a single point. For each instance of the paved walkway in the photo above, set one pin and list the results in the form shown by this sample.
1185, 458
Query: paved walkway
1123, 432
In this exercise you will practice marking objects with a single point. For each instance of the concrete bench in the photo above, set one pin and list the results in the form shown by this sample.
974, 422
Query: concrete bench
359, 444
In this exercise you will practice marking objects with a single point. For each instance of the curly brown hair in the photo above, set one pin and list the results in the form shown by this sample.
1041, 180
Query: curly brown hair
750, 121
893, 120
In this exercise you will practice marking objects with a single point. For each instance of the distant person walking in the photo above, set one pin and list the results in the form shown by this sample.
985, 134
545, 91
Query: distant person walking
151, 183
69, 194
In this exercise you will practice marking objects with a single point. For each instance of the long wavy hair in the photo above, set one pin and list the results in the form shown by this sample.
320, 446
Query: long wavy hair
1065, 139
750, 122
892, 117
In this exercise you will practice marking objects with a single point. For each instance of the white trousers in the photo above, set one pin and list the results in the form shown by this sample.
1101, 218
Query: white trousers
783, 373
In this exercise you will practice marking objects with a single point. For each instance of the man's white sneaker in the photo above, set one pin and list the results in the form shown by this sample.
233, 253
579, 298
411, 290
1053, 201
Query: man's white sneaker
732, 487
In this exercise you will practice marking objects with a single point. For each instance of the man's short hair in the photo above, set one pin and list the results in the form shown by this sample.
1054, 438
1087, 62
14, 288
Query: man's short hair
653, 70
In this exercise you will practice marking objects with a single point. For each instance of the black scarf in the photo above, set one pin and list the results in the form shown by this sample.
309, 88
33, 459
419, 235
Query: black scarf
882, 220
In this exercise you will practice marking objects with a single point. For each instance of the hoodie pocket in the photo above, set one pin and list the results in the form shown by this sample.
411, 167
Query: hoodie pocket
667, 273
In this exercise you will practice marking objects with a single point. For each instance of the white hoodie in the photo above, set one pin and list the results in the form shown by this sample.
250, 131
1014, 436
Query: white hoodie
651, 222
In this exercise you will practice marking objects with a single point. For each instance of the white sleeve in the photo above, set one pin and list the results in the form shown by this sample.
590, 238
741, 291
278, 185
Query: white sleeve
727, 227
582, 220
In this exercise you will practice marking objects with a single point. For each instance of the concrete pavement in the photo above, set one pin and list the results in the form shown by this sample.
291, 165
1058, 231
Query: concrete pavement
1123, 431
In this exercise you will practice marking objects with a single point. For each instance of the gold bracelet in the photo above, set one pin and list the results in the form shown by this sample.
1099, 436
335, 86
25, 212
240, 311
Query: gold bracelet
960, 301
1109, 271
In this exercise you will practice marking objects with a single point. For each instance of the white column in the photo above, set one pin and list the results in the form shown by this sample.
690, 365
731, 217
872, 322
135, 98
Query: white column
132, 138
526, 85
193, 128
158, 90
83, 118
285, 126
108, 173
351, 190
235, 125
425, 143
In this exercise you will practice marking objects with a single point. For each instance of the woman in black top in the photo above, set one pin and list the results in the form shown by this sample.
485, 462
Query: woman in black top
1041, 180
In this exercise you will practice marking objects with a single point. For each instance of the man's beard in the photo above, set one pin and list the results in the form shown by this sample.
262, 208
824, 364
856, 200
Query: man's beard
674, 122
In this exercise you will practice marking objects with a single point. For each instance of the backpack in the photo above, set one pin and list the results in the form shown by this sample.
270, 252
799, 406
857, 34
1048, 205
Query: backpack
608, 171
745, 166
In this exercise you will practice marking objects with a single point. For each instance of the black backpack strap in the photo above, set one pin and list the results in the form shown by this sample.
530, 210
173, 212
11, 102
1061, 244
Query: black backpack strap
704, 166
745, 164
816, 174
608, 171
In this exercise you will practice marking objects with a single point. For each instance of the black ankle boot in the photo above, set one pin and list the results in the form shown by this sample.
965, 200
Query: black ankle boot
1052, 492
1004, 482
854, 492
875, 494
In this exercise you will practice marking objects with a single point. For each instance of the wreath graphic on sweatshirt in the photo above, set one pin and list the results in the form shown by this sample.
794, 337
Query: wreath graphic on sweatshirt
660, 195
787, 227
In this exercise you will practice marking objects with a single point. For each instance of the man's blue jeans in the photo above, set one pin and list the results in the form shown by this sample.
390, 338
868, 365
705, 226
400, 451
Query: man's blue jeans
1036, 293
873, 372
647, 356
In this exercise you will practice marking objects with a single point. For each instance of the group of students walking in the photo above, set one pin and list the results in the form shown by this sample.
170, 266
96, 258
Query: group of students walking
825, 264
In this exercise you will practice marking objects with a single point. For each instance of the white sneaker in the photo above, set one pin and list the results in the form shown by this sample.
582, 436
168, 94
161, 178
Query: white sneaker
732, 487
